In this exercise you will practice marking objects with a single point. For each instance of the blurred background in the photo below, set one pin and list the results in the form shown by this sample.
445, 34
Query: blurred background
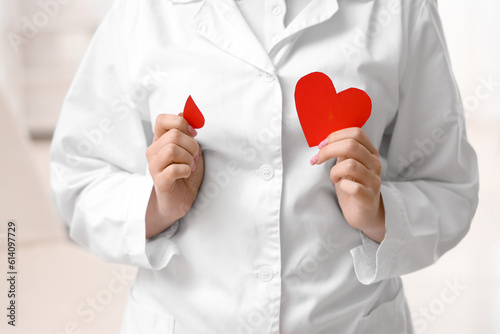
64, 289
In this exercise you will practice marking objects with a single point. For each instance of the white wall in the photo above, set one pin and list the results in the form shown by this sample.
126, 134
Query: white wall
54, 37
10, 63
473, 32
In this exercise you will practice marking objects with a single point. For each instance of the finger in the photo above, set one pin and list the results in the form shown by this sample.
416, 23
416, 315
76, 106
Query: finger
354, 189
168, 155
166, 122
171, 174
176, 137
355, 171
349, 148
357, 134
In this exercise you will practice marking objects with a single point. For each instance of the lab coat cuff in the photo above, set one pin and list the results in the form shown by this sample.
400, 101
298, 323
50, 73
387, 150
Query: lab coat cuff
153, 253
374, 262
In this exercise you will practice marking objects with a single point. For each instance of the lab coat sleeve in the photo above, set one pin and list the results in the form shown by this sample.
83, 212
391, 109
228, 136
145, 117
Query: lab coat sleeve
99, 175
430, 180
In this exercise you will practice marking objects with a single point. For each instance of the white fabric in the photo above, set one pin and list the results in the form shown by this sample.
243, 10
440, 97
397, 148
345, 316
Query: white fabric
272, 18
265, 248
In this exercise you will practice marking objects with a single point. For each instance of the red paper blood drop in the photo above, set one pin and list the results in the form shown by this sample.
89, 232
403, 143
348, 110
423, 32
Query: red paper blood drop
322, 110
192, 114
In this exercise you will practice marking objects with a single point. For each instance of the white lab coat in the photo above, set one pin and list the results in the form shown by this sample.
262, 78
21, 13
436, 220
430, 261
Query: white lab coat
265, 248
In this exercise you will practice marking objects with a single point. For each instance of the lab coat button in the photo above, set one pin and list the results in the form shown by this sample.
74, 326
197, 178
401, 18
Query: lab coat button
277, 10
266, 172
266, 274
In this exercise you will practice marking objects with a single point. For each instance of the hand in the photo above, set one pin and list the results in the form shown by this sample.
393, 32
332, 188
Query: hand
357, 179
177, 167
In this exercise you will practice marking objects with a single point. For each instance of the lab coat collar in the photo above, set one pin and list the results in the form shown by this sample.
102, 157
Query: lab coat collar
316, 12
221, 22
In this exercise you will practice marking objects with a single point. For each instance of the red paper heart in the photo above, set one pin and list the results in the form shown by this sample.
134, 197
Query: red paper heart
322, 110
192, 114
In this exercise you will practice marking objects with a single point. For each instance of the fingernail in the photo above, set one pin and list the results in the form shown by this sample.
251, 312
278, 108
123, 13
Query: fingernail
194, 167
314, 159
323, 143
196, 157
192, 131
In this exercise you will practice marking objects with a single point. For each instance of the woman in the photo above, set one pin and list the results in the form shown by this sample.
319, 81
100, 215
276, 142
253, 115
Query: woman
231, 227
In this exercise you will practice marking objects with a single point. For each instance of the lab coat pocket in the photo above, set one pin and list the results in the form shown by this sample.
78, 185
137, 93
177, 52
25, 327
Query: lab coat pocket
391, 317
141, 319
